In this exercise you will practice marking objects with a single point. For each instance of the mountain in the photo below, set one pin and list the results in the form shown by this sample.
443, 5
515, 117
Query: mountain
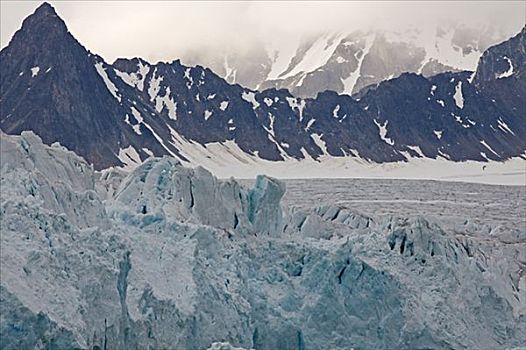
51, 84
346, 62
120, 114
167, 257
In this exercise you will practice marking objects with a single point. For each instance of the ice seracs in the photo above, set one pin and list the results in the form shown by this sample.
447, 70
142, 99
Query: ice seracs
144, 259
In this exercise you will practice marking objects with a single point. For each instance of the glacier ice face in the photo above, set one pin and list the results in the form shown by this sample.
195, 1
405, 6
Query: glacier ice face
162, 189
223, 346
264, 209
50, 177
167, 256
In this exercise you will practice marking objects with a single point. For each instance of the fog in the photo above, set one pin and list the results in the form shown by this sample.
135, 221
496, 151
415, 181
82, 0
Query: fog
166, 30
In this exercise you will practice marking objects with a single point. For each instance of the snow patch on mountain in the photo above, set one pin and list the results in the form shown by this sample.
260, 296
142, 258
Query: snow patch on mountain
508, 72
350, 82
295, 105
138, 117
155, 85
485, 144
382, 131
167, 102
109, 84
317, 55
335, 112
129, 157
250, 97
223, 105
34, 71
458, 97
135, 79
504, 127
281, 55
320, 143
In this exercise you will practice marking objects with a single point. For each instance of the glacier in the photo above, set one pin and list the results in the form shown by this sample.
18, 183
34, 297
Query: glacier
164, 256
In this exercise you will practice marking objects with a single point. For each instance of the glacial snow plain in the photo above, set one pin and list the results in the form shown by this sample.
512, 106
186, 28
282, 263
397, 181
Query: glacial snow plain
449, 203
167, 257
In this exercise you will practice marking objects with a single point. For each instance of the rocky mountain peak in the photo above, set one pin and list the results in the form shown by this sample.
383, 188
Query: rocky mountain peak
44, 10
42, 24
42, 40
504, 60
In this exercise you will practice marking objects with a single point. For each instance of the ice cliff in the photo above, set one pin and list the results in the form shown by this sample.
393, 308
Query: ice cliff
170, 257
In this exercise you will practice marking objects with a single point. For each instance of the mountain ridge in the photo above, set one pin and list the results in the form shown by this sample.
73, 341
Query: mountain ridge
348, 61
122, 113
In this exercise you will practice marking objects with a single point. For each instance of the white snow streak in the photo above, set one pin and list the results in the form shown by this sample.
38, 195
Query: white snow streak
489, 148
309, 124
317, 55
137, 115
109, 84
335, 111
320, 143
350, 81
504, 127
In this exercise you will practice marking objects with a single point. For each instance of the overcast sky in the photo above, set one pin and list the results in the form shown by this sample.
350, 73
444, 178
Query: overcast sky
165, 30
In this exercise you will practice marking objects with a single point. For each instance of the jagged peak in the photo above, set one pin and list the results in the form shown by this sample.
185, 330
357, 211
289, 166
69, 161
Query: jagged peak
45, 9
44, 13
129, 65
133, 60
40, 31
43, 21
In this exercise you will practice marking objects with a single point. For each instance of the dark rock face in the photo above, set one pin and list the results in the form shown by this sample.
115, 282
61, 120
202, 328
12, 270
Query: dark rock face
49, 84
507, 56
52, 85
501, 75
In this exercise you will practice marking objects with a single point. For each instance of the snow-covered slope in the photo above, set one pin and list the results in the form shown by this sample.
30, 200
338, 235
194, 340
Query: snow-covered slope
174, 258
346, 62
226, 160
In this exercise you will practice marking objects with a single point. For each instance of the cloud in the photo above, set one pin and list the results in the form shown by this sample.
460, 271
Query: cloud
164, 30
